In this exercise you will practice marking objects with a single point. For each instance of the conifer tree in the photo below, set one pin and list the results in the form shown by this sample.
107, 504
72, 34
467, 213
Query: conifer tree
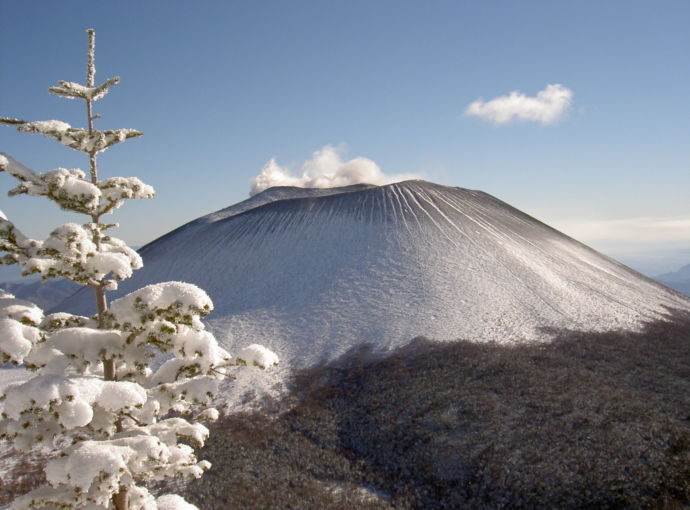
95, 396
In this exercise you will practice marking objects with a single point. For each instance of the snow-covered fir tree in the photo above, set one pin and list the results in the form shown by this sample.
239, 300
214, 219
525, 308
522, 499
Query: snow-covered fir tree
118, 422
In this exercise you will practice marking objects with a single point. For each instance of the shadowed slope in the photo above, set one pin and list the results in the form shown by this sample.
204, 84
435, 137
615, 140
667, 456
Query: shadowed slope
592, 420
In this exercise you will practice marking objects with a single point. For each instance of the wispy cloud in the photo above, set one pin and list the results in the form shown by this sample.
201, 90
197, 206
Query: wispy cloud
325, 169
548, 106
639, 230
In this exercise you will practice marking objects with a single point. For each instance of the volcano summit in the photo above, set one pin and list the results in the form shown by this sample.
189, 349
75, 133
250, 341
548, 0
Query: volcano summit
314, 272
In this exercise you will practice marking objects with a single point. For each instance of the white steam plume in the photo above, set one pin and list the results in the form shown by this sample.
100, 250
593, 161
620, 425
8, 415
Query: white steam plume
548, 106
325, 169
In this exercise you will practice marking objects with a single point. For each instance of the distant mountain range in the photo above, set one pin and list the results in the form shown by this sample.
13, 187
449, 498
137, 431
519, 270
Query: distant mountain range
678, 280
45, 293
314, 272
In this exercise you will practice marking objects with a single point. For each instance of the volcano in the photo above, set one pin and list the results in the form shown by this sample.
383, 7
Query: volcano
312, 273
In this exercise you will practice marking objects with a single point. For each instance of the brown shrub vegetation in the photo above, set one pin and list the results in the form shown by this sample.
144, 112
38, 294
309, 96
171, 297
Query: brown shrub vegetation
25, 474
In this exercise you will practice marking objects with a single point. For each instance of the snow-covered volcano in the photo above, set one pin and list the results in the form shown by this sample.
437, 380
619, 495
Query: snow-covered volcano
313, 272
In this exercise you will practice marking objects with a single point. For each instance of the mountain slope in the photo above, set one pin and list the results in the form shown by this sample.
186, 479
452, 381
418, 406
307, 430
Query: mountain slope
312, 273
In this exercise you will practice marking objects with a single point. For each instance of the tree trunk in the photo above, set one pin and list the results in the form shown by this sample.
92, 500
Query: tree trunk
121, 500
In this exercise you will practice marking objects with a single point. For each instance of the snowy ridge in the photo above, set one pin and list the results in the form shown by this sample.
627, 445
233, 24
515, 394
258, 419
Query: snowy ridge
270, 195
311, 273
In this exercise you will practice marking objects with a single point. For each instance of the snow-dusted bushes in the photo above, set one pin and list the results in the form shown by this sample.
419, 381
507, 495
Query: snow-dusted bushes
95, 395
592, 420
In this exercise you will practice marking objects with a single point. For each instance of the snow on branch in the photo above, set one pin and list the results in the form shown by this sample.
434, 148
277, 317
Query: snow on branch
70, 252
167, 316
115, 190
91, 470
18, 328
18, 248
256, 355
35, 410
15, 168
71, 90
82, 349
72, 191
83, 140
170, 302
60, 320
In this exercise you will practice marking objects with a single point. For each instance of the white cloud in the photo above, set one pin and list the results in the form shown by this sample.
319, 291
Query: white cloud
325, 169
548, 106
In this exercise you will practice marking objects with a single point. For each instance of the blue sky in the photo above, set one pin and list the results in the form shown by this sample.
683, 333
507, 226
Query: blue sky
220, 88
